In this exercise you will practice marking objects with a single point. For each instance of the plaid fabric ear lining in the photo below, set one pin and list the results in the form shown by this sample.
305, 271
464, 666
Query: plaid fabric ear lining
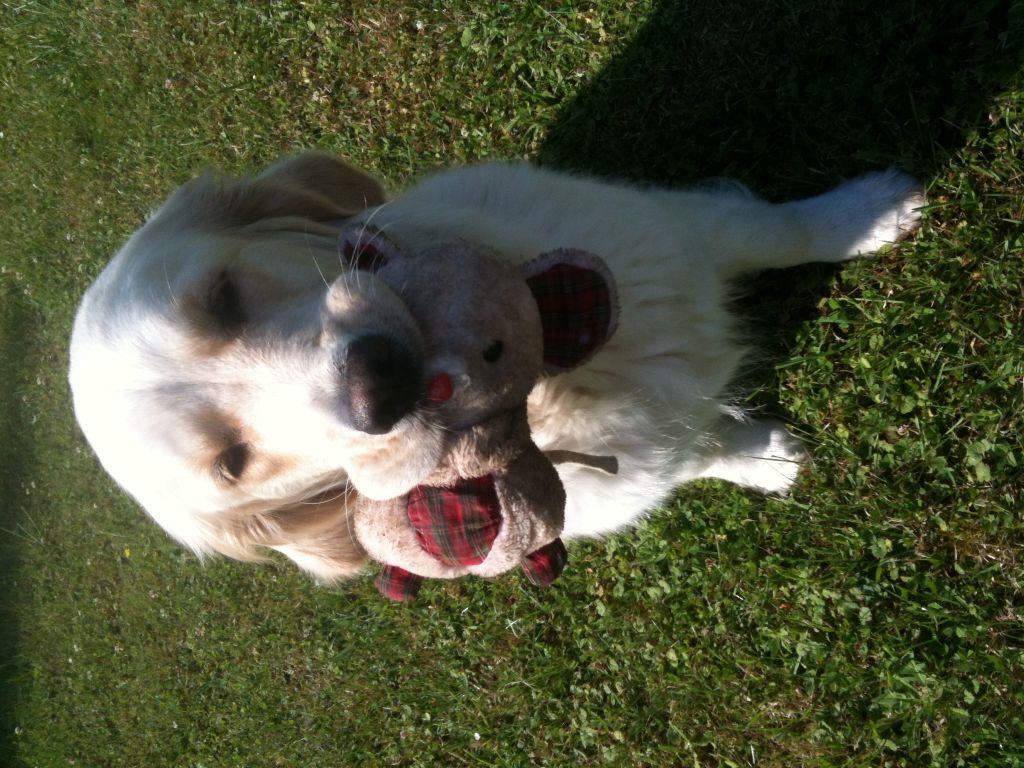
575, 306
456, 525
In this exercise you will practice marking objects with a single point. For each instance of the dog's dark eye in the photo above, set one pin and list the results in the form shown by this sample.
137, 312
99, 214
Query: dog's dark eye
232, 461
493, 353
224, 303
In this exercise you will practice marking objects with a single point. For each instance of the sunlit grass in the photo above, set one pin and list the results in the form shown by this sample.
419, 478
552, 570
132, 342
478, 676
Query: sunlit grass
872, 619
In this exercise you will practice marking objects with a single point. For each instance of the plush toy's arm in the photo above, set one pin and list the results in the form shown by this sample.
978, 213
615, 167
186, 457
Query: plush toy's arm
532, 502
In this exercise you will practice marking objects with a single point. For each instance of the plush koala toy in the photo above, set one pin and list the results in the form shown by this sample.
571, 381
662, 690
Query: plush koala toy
490, 330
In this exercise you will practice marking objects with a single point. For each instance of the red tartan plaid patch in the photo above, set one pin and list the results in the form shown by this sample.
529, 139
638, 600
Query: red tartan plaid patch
397, 583
456, 525
576, 312
544, 566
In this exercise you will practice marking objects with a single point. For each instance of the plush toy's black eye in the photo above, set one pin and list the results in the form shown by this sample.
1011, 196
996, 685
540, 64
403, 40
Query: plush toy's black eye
493, 353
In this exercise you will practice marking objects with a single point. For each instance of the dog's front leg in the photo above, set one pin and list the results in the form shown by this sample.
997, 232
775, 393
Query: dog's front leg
857, 217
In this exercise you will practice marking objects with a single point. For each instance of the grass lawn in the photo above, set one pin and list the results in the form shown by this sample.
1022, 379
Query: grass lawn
875, 618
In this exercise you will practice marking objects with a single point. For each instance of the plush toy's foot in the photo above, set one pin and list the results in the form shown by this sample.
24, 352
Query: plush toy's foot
397, 583
544, 565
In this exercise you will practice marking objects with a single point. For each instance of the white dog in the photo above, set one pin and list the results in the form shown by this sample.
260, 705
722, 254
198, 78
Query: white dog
241, 383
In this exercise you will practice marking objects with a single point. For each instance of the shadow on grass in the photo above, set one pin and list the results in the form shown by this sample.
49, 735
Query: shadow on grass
16, 464
789, 98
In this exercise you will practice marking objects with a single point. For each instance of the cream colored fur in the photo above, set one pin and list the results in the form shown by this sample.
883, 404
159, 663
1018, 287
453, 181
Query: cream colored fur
160, 404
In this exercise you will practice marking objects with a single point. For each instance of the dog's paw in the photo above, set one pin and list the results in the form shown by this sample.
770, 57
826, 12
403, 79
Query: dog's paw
759, 454
893, 201
776, 469
865, 214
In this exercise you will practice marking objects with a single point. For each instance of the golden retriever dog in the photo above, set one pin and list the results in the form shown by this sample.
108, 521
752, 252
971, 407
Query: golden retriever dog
242, 383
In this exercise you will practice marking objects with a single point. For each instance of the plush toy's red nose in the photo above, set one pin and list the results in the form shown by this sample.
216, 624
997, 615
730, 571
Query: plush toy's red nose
440, 389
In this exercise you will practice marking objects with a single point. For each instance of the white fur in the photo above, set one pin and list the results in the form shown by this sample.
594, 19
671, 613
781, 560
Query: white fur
652, 397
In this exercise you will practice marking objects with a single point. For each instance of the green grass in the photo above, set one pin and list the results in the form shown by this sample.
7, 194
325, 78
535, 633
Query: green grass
872, 619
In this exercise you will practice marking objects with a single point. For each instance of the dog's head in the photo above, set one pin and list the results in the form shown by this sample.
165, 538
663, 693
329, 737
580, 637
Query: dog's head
238, 380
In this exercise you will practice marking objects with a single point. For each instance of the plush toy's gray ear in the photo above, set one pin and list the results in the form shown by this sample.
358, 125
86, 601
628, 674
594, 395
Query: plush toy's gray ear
578, 302
365, 247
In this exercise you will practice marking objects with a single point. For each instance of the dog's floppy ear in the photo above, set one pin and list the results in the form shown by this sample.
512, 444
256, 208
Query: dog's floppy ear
315, 533
578, 302
309, 187
319, 173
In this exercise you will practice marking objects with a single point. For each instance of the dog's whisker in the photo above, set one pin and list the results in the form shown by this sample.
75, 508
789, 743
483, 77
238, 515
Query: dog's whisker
312, 255
317, 265
167, 279
349, 526
373, 214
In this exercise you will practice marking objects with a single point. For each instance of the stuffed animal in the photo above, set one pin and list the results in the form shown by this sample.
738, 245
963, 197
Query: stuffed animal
490, 330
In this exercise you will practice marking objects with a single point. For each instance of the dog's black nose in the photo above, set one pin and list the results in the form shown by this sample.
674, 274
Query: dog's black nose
382, 378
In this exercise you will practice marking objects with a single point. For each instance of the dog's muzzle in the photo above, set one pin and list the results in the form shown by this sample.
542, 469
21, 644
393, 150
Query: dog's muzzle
382, 382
